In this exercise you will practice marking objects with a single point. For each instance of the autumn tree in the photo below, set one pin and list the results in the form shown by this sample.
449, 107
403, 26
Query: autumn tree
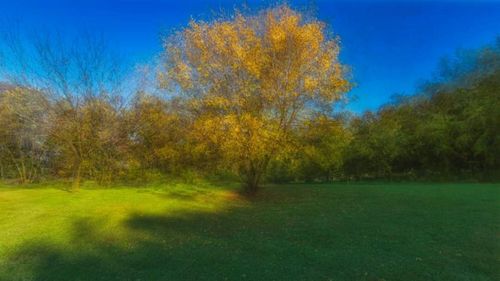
250, 79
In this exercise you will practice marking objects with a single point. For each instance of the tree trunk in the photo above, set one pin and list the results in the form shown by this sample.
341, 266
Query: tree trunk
2, 175
77, 175
252, 175
251, 185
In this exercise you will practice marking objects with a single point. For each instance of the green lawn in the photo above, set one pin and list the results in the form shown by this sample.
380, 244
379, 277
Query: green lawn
294, 232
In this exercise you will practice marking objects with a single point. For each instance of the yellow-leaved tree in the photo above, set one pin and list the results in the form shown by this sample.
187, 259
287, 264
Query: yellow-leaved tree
249, 80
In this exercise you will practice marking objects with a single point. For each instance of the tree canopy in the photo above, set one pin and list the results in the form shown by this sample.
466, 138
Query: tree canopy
248, 81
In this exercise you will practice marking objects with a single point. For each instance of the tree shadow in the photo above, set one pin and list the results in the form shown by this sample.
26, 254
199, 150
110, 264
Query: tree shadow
165, 253
233, 244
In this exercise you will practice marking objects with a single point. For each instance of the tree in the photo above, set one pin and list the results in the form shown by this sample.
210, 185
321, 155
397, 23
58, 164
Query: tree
158, 133
80, 78
249, 80
25, 122
323, 142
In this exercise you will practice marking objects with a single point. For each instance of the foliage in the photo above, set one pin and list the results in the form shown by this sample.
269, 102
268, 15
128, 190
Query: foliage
449, 130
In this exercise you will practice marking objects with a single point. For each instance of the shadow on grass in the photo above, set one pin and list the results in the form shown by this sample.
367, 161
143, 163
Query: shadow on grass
241, 242
90, 255
183, 247
316, 235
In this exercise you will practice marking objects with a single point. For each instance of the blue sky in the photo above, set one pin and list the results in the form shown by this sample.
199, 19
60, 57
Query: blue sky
390, 45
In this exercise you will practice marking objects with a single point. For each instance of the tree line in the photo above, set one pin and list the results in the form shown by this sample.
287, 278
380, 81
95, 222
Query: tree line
448, 130
249, 96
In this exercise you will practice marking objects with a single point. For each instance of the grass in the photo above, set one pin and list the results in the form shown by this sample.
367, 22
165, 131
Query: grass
294, 232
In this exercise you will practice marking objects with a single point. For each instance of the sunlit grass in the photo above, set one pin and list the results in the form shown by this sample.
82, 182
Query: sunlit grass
295, 232
48, 211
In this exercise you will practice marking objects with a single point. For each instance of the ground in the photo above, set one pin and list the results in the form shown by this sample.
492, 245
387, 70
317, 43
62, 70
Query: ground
293, 232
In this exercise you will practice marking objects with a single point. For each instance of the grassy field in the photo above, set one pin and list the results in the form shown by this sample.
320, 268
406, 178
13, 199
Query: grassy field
294, 232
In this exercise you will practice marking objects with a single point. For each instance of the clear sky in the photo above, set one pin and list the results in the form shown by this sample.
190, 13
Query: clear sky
390, 45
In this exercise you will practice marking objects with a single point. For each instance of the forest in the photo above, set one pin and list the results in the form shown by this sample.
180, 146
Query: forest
65, 112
